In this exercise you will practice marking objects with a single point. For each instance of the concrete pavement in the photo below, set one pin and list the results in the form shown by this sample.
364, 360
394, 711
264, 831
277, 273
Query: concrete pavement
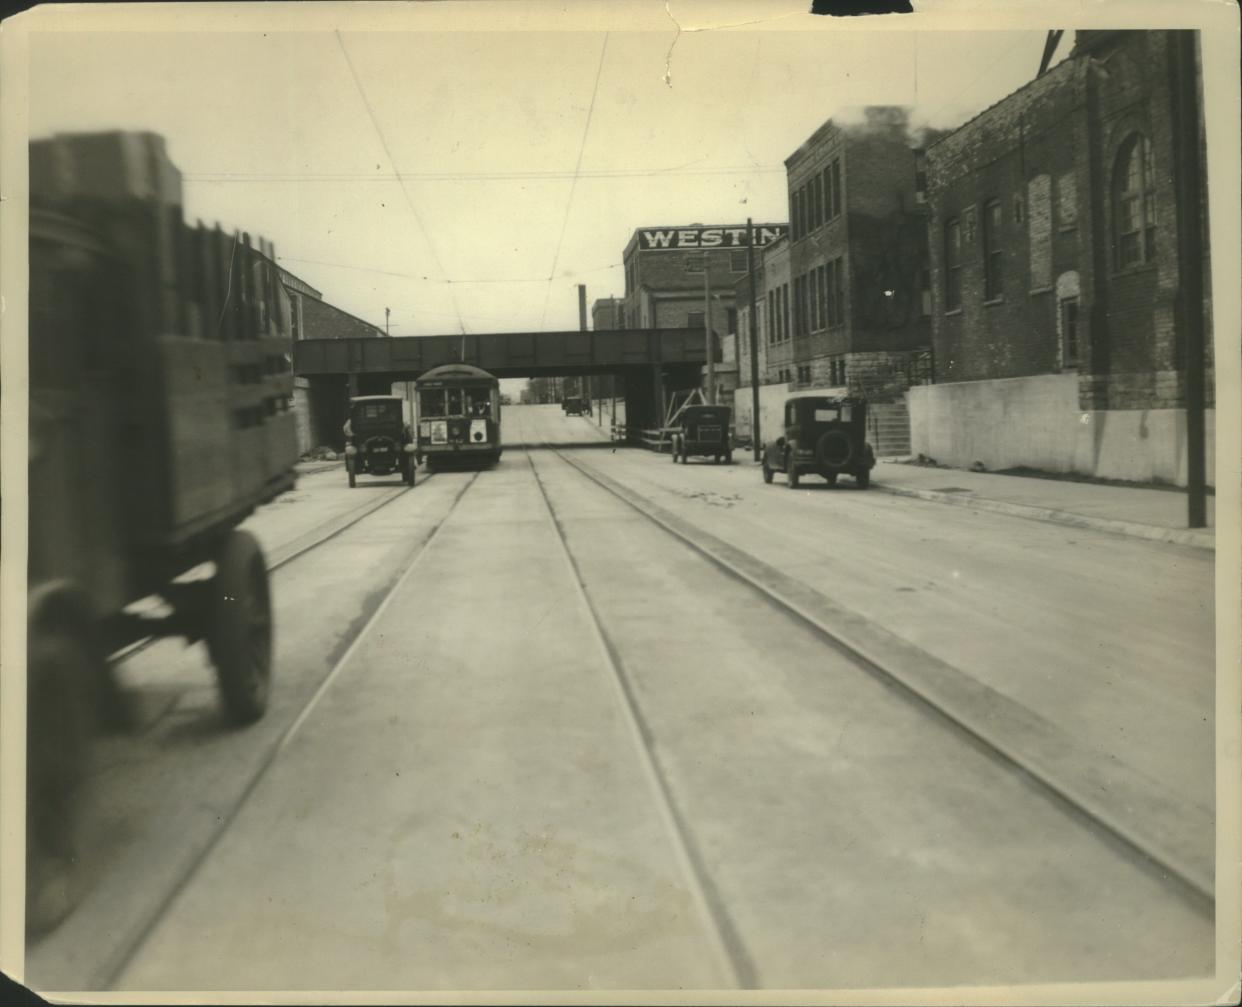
466, 808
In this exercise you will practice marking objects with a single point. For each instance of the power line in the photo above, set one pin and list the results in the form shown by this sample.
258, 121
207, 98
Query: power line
491, 176
586, 129
458, 282
392, 161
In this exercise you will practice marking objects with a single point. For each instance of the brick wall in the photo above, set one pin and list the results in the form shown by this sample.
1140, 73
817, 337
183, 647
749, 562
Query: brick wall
880, 237
1049, 154
1025, 154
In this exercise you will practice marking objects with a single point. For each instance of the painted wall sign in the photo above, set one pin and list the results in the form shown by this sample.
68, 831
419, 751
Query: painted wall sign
659, 238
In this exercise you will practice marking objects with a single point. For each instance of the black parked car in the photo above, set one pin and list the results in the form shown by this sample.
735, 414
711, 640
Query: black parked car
575, 407
704, 431
378, 442
824, 435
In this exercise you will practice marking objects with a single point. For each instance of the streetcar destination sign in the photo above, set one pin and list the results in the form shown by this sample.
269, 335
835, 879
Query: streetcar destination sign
656, 238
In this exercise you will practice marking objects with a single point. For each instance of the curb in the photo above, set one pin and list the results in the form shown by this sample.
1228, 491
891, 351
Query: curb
1133, 529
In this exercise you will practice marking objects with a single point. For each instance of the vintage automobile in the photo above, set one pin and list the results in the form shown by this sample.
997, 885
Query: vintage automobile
575, 407
377, 440
824, 435
704, 431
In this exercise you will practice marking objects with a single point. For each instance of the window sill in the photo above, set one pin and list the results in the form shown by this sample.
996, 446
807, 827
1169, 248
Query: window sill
952, 311
1040, 290
1138, 268
994, 302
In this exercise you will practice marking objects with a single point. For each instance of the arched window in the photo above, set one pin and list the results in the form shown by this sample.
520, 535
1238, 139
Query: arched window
1134, 203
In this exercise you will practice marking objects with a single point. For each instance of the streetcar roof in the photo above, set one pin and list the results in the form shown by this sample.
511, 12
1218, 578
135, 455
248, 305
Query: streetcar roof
375, 398
458, 372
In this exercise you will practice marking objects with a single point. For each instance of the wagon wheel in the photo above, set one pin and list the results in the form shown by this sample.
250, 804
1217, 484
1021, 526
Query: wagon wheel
349, 468
61, 670
767, 470
239, 628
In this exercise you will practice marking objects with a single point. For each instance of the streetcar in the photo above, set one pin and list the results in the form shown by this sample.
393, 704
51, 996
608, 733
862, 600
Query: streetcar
458, 408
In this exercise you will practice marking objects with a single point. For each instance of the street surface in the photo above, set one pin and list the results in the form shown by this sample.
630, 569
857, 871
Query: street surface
525, 737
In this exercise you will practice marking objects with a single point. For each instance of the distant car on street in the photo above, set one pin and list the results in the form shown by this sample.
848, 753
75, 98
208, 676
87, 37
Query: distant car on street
704, 431
824, 435
575, 407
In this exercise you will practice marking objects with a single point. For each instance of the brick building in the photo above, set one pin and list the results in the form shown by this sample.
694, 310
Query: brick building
684, 277
857, 312
844, 303
1055, 272
608, 313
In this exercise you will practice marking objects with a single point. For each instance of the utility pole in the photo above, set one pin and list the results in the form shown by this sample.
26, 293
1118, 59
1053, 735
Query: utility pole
582, 325
754, 341
707, 326
1187, 168
386, 314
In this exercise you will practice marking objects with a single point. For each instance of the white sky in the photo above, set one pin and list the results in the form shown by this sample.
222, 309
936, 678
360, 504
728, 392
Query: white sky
273, 135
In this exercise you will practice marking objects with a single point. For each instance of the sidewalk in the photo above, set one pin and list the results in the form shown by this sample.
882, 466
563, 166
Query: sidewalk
1156, 514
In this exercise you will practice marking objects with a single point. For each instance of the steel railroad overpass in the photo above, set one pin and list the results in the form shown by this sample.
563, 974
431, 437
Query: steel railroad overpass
649, 362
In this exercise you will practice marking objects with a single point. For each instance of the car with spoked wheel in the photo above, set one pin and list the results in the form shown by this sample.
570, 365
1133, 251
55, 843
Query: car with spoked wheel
824, 435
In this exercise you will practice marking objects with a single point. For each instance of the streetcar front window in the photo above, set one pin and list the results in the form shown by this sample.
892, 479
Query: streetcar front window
454, 402
479, 401
432, 403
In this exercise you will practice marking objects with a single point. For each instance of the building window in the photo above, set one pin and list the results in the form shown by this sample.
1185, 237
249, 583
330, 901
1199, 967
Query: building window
731, 319
694, 263
836, 291
992, 278
737, 262
1134, 203
953, 265
1069, 332
817, 189
694, 320
771, 330
785, 311
834, 174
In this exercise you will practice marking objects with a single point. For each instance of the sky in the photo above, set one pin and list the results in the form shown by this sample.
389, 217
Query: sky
469, 180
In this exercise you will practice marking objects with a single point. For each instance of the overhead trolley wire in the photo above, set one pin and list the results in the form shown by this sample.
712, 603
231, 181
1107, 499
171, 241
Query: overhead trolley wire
404, 191
586, 129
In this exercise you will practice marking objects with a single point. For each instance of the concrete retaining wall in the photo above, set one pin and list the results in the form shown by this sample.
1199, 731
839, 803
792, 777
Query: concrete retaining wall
1036, 422
771, 411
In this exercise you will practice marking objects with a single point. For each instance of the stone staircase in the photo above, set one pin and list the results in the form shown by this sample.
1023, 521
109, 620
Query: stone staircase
888, 428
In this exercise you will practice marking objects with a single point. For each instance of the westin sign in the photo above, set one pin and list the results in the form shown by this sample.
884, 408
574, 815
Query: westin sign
707, 237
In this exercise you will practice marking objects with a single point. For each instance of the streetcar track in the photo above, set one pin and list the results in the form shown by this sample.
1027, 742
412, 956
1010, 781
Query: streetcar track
353, 517
1186, 879
107, 975
730, 948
